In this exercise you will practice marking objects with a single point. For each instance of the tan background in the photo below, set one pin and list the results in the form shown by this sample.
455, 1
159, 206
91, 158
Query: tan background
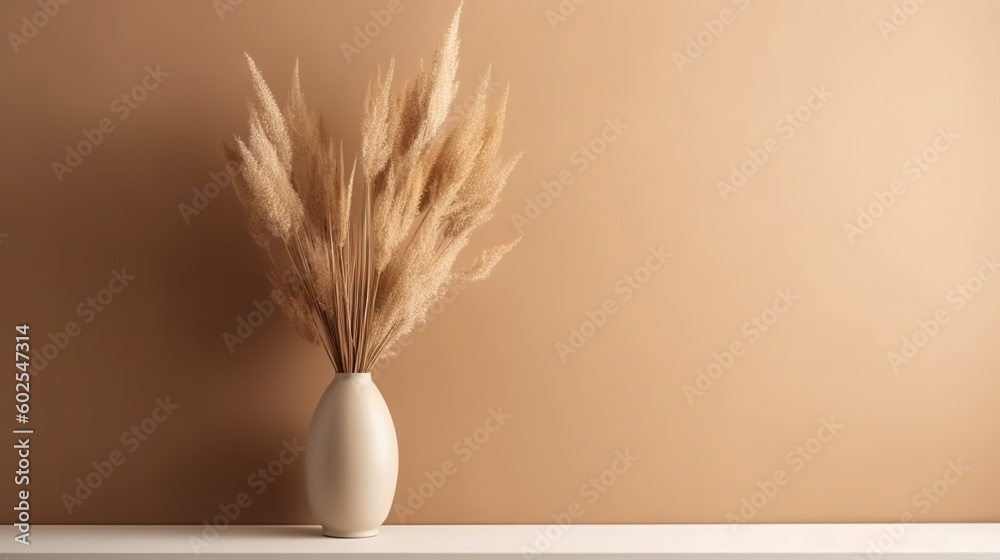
494, 345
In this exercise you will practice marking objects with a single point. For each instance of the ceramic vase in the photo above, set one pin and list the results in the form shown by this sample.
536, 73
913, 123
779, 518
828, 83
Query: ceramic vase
352, 458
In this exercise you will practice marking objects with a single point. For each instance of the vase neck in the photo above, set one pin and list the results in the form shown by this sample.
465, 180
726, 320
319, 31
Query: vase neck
360, 376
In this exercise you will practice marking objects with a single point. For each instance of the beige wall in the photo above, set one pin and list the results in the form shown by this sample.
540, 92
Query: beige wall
854, 296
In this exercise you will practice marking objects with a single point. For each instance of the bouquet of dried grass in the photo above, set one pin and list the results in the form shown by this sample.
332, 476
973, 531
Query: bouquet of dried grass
356, 275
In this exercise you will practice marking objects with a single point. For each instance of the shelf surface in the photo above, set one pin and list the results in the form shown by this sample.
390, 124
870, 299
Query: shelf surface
704, 542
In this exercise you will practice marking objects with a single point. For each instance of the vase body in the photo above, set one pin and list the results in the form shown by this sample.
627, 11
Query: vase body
352, 458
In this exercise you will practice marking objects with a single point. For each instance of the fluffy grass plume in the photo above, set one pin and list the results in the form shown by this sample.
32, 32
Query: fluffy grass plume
356, 275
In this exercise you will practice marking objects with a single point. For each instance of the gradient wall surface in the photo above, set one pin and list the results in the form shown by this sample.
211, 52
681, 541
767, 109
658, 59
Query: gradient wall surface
757, 281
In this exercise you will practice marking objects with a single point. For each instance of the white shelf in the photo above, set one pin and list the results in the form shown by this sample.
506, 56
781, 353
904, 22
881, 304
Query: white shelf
702, 542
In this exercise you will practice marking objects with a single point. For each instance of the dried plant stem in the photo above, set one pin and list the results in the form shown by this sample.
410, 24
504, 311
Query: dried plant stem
356, 280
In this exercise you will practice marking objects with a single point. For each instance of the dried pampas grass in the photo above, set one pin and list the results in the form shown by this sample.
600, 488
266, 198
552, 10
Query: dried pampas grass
355, 277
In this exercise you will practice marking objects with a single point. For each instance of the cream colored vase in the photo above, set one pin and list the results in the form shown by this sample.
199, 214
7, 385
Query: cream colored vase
352, 458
